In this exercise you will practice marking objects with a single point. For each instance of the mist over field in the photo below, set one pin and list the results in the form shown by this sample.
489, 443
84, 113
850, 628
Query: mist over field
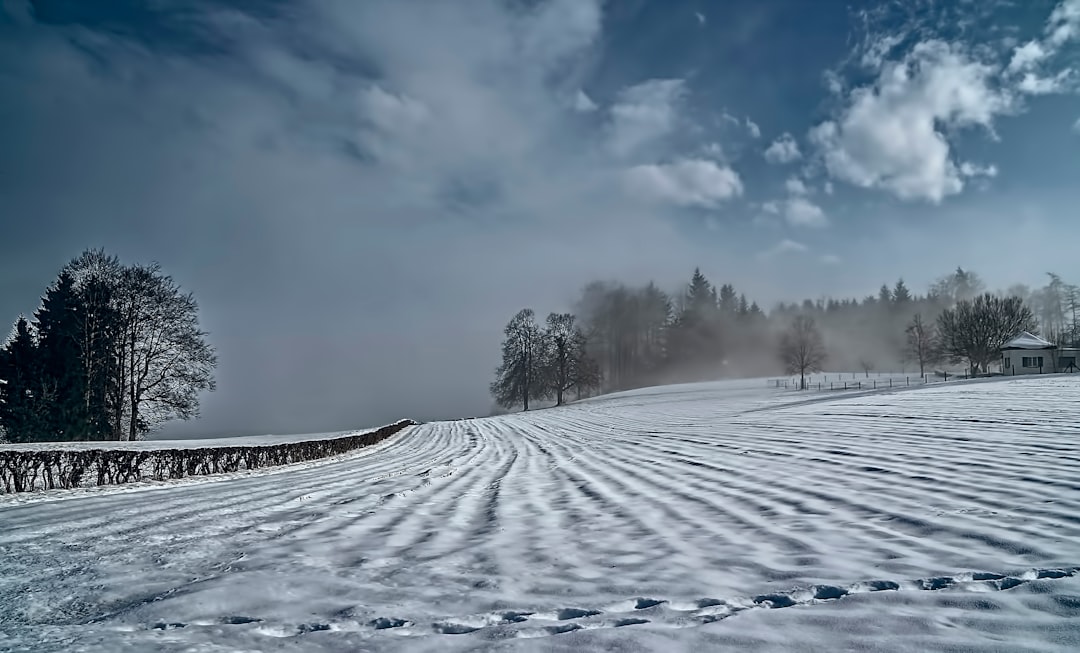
360, 195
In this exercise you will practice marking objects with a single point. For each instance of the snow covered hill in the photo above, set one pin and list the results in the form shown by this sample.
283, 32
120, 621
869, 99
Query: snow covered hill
698, 517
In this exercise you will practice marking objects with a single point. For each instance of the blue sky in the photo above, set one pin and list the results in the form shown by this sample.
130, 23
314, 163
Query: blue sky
361, 193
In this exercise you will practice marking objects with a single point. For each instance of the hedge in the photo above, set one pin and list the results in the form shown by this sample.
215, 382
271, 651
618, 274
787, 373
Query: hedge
36, 469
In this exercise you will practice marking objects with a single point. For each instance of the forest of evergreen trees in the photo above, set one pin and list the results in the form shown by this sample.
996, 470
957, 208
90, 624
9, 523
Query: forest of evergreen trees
630, 337
112, 352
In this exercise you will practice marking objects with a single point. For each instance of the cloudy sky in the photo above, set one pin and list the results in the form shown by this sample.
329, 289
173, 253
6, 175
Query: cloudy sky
361, 192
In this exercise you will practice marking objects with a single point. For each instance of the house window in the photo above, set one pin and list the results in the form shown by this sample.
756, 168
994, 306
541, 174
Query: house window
1008, 362
1032, 361
1067, 361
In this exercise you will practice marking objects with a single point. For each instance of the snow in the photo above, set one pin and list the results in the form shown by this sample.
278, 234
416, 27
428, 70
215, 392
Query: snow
723, 516
1028, 341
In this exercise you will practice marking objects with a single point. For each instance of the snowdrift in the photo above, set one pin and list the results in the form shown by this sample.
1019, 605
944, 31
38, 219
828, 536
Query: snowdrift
25, 468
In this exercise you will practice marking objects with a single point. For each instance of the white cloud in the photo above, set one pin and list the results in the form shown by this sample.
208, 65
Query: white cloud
391, 112
833, 82
783, 150
890, 135
561, 28
795, 186
801, 212
714, 150
1064, 23
1062, 26
798, 211
1027, 57
689, 182
785, 246
969, 169
879, 50
753, 129
644, 113
1034, 84
583, 103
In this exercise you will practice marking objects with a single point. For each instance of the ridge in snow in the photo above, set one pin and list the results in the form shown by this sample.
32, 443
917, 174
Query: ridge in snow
720, 516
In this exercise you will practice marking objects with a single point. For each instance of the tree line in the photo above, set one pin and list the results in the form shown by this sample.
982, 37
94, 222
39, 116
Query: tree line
629, 337
112, 352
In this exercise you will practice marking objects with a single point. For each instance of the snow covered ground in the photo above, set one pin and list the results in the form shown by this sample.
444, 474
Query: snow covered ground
724, 516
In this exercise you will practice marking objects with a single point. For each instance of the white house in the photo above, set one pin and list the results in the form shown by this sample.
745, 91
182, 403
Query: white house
1030, 354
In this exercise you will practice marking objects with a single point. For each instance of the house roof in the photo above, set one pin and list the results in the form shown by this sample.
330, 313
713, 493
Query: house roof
1028, 341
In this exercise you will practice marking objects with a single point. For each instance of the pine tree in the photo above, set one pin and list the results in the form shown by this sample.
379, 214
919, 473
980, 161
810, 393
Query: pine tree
23, 397
700, 297
884, 295
729, 302
696, 333
57, 325
98, 277
744, 307
900, 294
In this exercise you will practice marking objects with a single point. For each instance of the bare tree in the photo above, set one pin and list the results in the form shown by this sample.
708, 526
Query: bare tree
519, 378
921, 344
977, 329
802, 349
164, 359
566, 363
866, 365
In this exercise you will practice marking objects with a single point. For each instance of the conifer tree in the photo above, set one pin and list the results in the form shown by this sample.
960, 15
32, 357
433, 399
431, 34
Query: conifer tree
744, 307
58, 330
23, 397
901, 296
885, 296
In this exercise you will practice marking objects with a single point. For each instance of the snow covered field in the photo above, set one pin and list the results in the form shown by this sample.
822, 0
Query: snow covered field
667, 519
